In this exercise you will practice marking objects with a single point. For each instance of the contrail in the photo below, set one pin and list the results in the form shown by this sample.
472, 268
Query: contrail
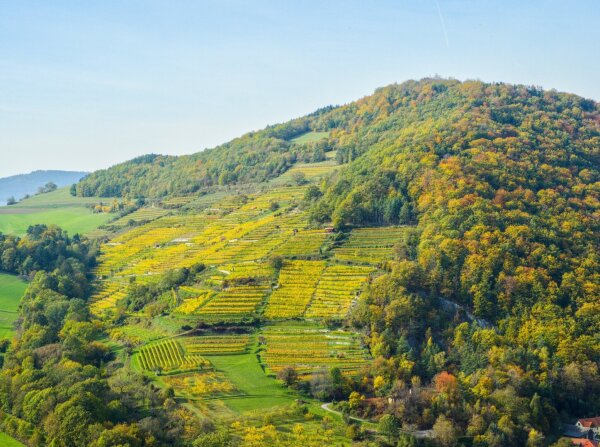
443, 23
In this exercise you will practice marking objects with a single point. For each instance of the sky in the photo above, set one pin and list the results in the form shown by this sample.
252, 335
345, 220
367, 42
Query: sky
85, 85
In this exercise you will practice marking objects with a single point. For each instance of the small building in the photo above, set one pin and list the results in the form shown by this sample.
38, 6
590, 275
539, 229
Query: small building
582, 442
588, 425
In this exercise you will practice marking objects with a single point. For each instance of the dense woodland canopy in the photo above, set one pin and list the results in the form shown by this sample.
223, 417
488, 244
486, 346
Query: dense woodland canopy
255, 157
501, 186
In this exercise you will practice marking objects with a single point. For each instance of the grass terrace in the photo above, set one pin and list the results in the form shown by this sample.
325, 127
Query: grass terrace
310, 137
12, 289
7, 441
257, 390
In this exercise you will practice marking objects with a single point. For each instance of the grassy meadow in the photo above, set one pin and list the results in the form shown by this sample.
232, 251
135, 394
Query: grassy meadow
7, 441
257, 390
61, 198
11, 291
310, 137
55, 208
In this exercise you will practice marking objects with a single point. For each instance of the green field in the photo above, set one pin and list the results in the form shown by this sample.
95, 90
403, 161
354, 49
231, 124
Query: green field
11, 291
310, 137
248, 377
7, 441
60, 198
73, 220
55, 208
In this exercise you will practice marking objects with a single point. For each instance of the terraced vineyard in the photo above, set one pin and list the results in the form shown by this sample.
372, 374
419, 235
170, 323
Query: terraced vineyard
234, 303
247, 270
236, 236
217, 344
176, 202
141, 215
309, 349
369, 245
191, 304
240, 229
106, 295
188, 372
338, 287
311, 171
302, 243
297, 283
169, 355
210, 383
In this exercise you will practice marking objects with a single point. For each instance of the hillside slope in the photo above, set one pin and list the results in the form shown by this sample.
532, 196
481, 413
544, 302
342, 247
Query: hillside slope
17, 186
59, 207
426, 257
254, 157
502, 181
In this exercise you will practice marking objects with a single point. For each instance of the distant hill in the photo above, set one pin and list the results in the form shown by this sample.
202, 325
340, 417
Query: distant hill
18, 186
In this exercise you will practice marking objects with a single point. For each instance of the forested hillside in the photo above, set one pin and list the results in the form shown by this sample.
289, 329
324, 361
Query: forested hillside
255, 157
427, 258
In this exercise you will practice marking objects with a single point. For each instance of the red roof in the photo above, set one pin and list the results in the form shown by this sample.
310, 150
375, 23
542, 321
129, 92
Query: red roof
590, 422
582, 442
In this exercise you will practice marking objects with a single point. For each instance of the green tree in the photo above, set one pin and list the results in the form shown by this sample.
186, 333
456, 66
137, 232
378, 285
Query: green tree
288, 375
312, 193
389, 426
299, 177
445, 432
407, 440
216, 439
276, 262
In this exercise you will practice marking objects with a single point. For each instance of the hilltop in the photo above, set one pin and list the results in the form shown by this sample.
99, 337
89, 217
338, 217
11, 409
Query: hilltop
18, 186
459, 160
426, 257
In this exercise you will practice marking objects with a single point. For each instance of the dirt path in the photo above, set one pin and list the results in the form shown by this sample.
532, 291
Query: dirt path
417, 433
326, 407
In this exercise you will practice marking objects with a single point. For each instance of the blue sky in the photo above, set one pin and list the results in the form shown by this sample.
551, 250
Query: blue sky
84, 85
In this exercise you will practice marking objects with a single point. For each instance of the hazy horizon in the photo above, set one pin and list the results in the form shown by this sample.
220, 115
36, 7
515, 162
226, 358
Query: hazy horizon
86, 86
